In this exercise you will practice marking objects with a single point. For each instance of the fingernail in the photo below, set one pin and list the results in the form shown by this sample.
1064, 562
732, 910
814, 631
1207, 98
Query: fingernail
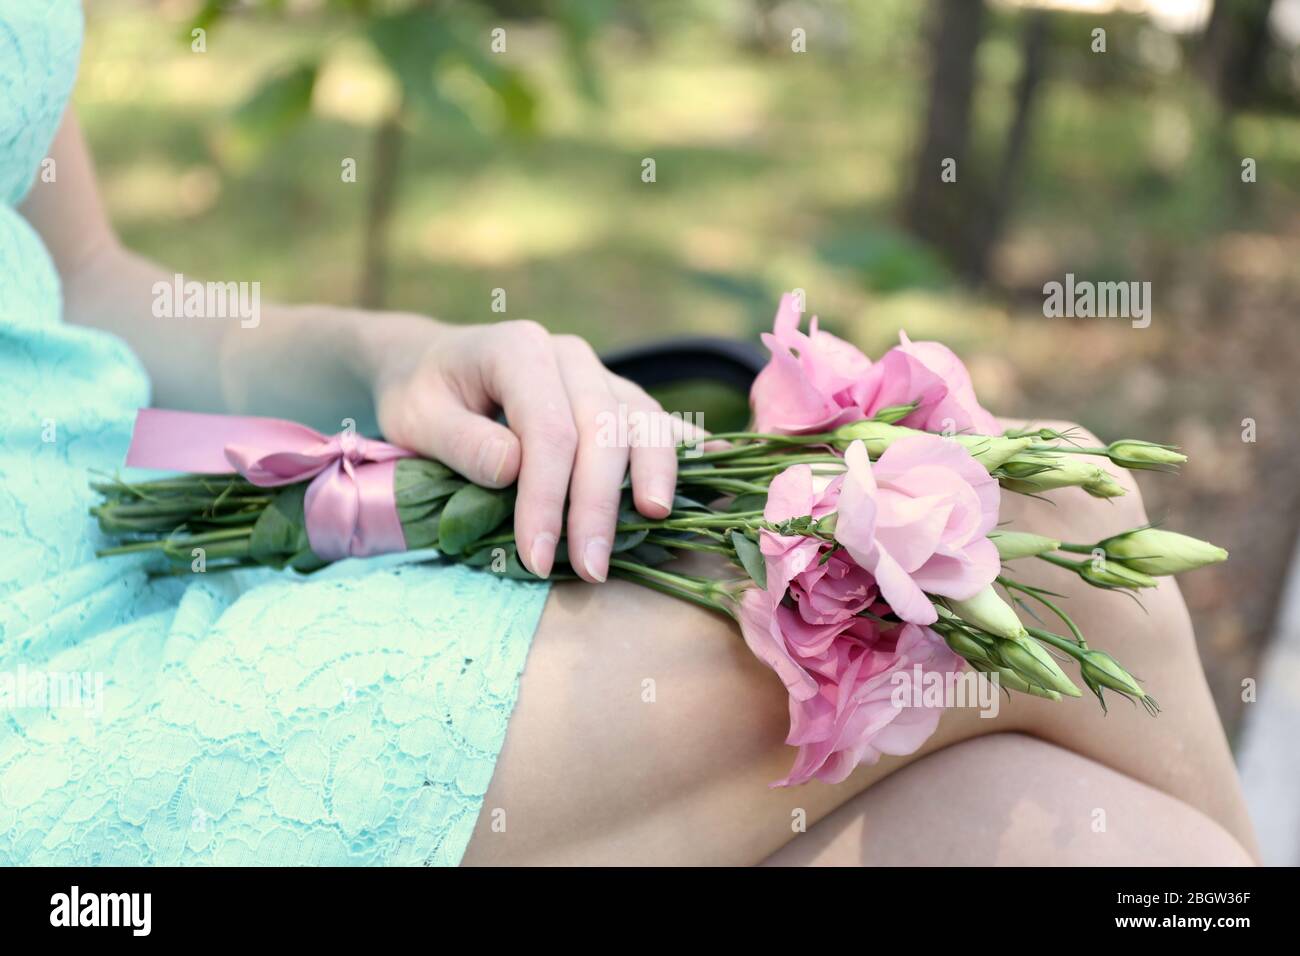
492, 459
660, 501
542, 555
596, 558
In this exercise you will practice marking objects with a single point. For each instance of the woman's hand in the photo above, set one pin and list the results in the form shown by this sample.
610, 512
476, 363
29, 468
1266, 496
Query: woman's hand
436, 388
437, 391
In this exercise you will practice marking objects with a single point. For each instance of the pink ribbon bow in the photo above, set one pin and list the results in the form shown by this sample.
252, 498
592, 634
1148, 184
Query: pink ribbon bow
350, 507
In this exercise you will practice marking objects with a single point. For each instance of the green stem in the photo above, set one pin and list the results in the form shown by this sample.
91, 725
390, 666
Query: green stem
1059, 642
677, 544
177, 545
1061, 562
696, 585
678, 585
730, 486
726, 522
766, 466
770, 439
727, 454
1037, 595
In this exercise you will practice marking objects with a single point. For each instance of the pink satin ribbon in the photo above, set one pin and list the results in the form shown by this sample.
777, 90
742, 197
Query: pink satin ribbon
350, 507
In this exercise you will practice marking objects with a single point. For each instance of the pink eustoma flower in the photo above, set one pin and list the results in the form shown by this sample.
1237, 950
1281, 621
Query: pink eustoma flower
812, 382
816, 382
843, 708
855, 716
918, 521
795, 493
958, 411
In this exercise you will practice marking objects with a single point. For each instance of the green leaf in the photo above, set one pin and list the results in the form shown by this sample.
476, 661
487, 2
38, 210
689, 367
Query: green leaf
422, 532
305, 562
471, 514
651, 554
625, 540
411, 42
752, 502
410, 514
276, 106
421, 43
488, 558
515, 568
281, 530
751, 558
683, 503
516, 97
579, 21
209, 14
419, 482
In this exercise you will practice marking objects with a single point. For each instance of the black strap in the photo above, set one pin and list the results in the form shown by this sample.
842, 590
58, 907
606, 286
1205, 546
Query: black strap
726, 361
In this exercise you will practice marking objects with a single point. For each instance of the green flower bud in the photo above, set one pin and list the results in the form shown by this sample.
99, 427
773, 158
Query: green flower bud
1010, 680
1044, 434
992, 452
1152, 551
1114, 574
877, 436
1104, 486
969, 647
1037, 472
825, 526
1131, 453
981, 657
893, 413
1100, 668
1030, 660
1030, 464
1020, 544
989, 613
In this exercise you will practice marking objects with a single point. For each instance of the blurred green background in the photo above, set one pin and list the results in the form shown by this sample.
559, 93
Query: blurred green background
795, 145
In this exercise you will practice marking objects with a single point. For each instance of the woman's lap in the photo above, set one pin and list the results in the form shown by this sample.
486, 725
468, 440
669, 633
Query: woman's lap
353, 718
646, 733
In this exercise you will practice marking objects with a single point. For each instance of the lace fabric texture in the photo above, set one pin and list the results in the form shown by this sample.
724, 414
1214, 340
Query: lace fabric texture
353, 717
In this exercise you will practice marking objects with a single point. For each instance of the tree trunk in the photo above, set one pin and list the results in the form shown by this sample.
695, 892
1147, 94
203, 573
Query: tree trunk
1033, 58
1233, 49
941, 212
383, 174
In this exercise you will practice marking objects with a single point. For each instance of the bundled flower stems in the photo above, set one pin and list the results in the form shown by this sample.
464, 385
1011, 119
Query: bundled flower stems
858, 522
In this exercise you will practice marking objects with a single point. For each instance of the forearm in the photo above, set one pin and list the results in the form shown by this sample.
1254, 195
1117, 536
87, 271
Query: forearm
310, 363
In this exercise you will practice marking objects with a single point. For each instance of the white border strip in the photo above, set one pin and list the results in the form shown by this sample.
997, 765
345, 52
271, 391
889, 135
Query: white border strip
1269, 752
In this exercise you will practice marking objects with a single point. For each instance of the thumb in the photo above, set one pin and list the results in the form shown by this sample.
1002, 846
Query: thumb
484, 451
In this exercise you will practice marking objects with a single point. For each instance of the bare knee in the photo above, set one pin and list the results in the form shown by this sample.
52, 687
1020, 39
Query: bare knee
1024, 802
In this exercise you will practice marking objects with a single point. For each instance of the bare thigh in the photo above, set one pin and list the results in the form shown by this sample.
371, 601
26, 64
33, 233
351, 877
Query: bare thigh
645, 732
1024, 802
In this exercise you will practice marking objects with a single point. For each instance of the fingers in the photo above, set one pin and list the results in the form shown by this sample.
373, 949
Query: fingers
522, 374
601, 462
654, 435
484, 451
578, 428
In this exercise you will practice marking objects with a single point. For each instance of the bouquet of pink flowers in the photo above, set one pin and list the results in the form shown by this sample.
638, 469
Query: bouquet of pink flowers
860, 519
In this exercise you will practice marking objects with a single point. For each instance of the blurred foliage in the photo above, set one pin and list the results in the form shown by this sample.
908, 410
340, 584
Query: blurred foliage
774, 170
418, 41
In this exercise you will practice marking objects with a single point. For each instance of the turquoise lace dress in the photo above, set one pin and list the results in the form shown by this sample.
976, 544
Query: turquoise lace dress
350, 718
